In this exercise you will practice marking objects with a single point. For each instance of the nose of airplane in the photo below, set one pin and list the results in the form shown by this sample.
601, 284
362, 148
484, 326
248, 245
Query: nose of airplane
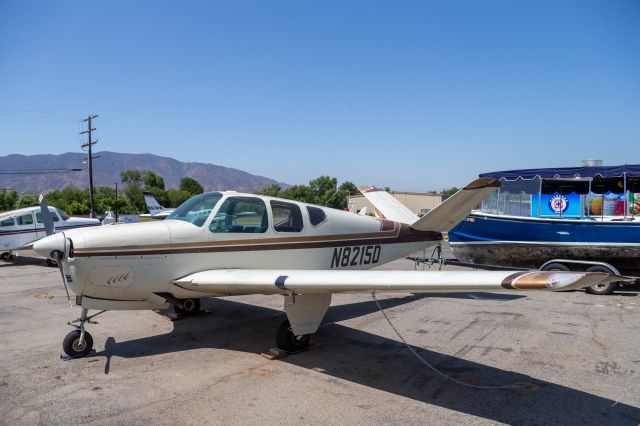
46, 245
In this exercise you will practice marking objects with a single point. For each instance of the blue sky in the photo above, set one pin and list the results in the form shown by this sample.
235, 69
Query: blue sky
412, 95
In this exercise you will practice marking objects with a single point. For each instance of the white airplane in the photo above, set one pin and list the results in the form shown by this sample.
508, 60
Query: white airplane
156, 211
226, 243
20, 228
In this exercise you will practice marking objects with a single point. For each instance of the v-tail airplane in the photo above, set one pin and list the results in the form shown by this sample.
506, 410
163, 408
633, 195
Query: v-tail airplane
226, 243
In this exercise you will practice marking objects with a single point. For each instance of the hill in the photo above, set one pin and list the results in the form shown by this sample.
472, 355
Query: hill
107, 168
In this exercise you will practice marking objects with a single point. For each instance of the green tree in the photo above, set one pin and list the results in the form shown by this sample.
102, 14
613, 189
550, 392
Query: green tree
131, 177
191, 186
446, 193
8, 200
272, 191
152, 180
177, 197
27, 201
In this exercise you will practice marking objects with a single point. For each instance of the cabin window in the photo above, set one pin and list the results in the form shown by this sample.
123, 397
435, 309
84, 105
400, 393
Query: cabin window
247, 215
316, 215
25, 219
8, 222
287, 217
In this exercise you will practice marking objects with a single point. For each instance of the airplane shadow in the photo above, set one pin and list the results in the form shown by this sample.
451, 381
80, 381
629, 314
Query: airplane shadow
377, 362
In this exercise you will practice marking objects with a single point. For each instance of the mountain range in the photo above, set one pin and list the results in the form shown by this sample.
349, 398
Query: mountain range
37, 173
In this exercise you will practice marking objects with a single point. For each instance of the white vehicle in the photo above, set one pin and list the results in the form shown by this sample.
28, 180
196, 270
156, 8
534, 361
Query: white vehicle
156, 211
20, 228
226, 243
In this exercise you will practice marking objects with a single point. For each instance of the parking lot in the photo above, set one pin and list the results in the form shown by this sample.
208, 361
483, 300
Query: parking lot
568, 357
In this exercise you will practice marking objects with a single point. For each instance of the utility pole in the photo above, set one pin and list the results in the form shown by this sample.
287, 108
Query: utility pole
88, 145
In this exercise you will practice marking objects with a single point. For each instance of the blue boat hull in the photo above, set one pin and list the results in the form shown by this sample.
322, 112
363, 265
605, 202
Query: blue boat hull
530, 242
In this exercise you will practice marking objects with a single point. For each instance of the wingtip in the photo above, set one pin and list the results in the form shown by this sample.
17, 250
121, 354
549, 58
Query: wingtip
480, 183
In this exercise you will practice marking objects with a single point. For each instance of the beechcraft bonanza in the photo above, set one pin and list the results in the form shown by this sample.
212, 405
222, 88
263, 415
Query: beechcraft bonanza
20, 228
226, 243
156, 211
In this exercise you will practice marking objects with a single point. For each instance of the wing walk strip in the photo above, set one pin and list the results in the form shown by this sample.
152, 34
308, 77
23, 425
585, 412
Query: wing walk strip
400, 234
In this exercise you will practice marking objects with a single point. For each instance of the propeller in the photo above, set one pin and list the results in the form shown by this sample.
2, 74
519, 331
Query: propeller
46, 216
57, 255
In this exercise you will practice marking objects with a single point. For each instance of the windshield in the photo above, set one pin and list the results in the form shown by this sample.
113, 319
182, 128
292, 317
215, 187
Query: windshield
196, 210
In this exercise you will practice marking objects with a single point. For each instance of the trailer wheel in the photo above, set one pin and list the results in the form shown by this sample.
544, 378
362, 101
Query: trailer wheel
607, 288
556, 267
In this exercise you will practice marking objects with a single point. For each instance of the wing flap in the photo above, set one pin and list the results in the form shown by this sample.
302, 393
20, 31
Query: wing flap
243, 281
455, 208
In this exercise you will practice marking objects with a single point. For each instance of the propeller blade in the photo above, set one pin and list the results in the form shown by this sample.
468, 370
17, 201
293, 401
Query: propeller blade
57, 256
46, 216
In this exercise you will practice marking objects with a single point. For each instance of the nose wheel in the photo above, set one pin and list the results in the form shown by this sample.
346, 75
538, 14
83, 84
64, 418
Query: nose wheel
78, 343
289, 342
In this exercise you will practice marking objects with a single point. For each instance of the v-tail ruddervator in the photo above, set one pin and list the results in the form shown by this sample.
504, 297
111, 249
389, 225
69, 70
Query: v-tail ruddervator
227, 243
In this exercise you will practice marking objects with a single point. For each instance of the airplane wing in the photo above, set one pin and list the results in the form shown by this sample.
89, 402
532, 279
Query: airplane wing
243, 281
455, 208
387, 206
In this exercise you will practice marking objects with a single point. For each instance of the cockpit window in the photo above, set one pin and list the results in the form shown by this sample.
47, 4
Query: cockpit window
287, 217
246, 215
196, 210
52, 211
316, 215
63, 215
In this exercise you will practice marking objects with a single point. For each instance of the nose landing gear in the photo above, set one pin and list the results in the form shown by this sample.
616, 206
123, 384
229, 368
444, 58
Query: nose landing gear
78, 343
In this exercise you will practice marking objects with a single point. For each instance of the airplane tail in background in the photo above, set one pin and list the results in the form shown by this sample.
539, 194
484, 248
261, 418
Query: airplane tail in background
441, 219
152, 203
455, 208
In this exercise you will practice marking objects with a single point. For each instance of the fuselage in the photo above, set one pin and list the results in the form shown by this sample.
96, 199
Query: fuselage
243, 231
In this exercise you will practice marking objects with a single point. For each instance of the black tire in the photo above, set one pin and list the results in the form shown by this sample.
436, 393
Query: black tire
288, 342
556, 267
52, 263
70, 344
600, 289
190, 307
4, 256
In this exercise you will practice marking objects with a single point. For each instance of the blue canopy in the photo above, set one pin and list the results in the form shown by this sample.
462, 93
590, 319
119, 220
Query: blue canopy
567, 172
595, 179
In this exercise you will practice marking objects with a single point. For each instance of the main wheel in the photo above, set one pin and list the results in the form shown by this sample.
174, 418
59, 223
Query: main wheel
71, 345
190, 307
556, 267
4, 256
606, 288
51, 262
288, 342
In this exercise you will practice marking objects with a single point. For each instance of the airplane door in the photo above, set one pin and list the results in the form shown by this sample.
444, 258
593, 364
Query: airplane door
26, 226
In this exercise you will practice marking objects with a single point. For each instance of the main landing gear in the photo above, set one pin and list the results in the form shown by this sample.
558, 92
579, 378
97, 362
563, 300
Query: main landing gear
79, 342
190, 307
289, 342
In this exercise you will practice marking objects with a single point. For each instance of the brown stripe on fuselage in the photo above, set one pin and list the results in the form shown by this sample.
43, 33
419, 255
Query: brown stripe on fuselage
393, 232
402, 234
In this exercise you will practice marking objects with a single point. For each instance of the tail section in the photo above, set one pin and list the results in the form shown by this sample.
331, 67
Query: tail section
386, 206
152, 203
455, 208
